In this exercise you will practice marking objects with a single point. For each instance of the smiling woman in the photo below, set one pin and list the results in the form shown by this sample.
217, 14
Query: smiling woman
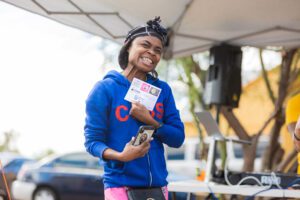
112, 122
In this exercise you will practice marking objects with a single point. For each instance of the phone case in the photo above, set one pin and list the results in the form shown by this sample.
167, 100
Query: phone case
143, 134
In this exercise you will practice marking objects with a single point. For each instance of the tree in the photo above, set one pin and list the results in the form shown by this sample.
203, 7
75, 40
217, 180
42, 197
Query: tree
292, 87
9, 140
193, 71
108, 49
287, 77
276, 117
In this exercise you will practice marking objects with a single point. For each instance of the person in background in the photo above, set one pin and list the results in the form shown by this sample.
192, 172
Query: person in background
292, 115
297, 135
112, 122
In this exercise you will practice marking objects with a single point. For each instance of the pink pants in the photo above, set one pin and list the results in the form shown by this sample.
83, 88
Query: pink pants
119, 193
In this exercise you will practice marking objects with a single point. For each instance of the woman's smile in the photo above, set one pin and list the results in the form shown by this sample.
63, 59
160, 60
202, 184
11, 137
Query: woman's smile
147, 61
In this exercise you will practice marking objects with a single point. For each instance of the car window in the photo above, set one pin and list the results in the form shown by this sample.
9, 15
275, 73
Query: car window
198, 153
180, 153
190, 150
238, 150
260, 148
80, 160
15, 164
6, 157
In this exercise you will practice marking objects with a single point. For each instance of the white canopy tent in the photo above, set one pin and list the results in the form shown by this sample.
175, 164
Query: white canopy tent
195, 25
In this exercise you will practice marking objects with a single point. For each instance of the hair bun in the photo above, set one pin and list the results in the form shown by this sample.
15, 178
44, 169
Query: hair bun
152, 27
155, 25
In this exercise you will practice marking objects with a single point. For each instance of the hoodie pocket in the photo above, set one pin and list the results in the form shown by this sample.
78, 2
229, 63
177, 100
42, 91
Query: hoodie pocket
116, 166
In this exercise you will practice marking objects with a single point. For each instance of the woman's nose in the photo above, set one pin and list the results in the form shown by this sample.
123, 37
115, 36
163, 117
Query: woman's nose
151, 51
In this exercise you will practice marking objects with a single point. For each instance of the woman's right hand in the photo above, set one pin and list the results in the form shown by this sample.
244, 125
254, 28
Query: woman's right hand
131, 152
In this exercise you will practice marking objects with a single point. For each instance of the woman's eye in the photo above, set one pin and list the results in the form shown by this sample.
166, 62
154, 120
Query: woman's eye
145, 45
158, 51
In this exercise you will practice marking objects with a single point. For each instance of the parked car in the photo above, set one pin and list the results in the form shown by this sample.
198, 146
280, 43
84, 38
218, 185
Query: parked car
184, 160
72, 176
11, 163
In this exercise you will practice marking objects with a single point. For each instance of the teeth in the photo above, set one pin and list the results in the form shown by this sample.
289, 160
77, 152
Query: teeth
147, 60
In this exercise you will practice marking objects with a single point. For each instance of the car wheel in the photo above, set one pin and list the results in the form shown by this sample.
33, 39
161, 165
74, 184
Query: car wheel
44, 194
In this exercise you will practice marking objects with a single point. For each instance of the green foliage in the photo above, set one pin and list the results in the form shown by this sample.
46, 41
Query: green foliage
110, 52
9, 140
192, 78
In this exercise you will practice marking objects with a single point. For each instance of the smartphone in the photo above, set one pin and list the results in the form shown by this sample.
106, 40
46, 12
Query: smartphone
143, 134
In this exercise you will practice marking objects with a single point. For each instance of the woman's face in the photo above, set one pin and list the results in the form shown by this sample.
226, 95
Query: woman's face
145, 53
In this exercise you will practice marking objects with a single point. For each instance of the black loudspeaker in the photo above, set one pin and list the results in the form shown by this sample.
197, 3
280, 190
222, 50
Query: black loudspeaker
223, 81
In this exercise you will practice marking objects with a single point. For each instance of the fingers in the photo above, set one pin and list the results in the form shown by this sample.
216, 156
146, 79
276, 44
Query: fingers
131, 152
134, 106
139, 112
138, 105
134, 109
131, 141
143, 148
146, 146
146, 143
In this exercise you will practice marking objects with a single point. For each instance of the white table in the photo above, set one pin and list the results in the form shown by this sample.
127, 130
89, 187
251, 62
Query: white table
193, 186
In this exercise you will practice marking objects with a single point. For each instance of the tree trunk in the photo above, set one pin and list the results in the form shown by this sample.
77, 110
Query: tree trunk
279, 117
265, 77
249, 150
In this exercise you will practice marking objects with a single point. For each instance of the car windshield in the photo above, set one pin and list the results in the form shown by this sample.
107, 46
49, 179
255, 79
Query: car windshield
16, 162
77, 160
190, 150
81, 160
6, 157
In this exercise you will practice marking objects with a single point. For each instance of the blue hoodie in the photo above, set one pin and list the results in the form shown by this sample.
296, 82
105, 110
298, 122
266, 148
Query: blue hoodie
109, 125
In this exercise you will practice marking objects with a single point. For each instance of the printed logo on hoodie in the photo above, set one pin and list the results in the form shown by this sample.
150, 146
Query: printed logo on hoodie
122, 112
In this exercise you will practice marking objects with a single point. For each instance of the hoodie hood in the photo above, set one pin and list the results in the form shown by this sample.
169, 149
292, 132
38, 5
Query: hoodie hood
118, 77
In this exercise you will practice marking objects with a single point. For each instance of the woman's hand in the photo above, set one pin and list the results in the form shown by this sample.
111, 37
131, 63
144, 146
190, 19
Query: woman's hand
142, 114
131, 152
139, 112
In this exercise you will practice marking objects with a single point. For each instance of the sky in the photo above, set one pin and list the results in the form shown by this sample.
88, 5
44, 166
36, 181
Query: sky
46, 72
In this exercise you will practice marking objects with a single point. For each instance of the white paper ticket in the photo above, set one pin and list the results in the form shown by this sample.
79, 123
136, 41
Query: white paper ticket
142, 92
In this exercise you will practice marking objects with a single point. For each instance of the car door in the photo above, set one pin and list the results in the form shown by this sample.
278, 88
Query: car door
77, 176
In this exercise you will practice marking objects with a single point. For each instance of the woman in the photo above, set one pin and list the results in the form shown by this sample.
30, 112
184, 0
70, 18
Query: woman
112, 122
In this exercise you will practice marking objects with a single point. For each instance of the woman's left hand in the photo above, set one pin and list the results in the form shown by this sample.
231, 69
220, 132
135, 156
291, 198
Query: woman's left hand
140, 112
